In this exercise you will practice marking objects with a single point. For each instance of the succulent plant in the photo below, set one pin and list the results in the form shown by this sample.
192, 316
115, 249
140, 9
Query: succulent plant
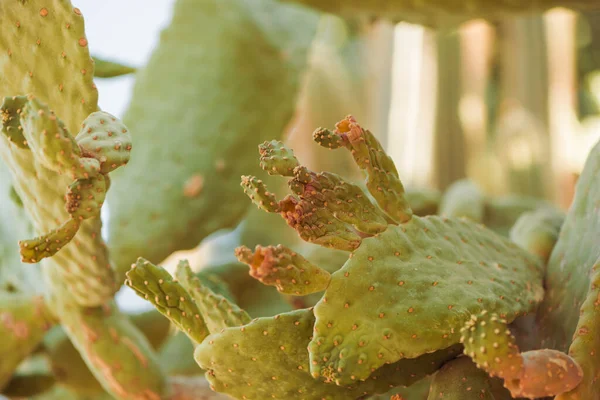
377, 291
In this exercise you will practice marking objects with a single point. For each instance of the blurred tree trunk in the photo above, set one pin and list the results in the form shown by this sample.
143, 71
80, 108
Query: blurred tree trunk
563, 88
450, 152
522, 138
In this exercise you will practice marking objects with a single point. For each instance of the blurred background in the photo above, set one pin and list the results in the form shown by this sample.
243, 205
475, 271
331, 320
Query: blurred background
514, 106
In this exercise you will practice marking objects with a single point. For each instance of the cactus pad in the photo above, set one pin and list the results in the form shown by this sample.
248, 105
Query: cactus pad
217, 311
435, 273
168, 296
267, 358
567, 312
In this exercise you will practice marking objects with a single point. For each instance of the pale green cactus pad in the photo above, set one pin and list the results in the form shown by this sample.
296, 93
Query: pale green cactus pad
202, 133
267, 358
435, 273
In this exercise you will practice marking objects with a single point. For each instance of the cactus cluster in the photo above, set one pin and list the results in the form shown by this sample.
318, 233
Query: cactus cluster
364, 289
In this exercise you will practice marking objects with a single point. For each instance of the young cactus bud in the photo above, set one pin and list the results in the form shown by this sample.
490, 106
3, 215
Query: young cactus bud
491, 345
277, 159
258, 193
106, 139
36, 249
285, 269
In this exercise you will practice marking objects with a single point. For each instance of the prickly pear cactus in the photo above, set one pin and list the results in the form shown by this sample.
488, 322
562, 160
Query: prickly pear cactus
158, 208
437, 273
61, 95
568, 316
265, 357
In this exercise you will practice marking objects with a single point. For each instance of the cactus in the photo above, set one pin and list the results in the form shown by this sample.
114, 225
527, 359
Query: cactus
568, 315
198, 56
276, 343
354, 334
369, 295
78, 276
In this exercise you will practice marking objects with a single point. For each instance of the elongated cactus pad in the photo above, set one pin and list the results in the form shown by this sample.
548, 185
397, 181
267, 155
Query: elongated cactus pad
218, 312
568, 315
158, 208
168, 296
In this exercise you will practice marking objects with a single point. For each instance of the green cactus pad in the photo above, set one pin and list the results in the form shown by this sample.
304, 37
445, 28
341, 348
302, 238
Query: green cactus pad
159, 208
267, 358
110, 69
569, 270
409, 290
36, 249
217, 311
24, 321
382, 181
586, 343
491, 345
460, 379
537, 231
285, 269
106, 139
276, 159
45, 52
546, 373
463, 198
170, 298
